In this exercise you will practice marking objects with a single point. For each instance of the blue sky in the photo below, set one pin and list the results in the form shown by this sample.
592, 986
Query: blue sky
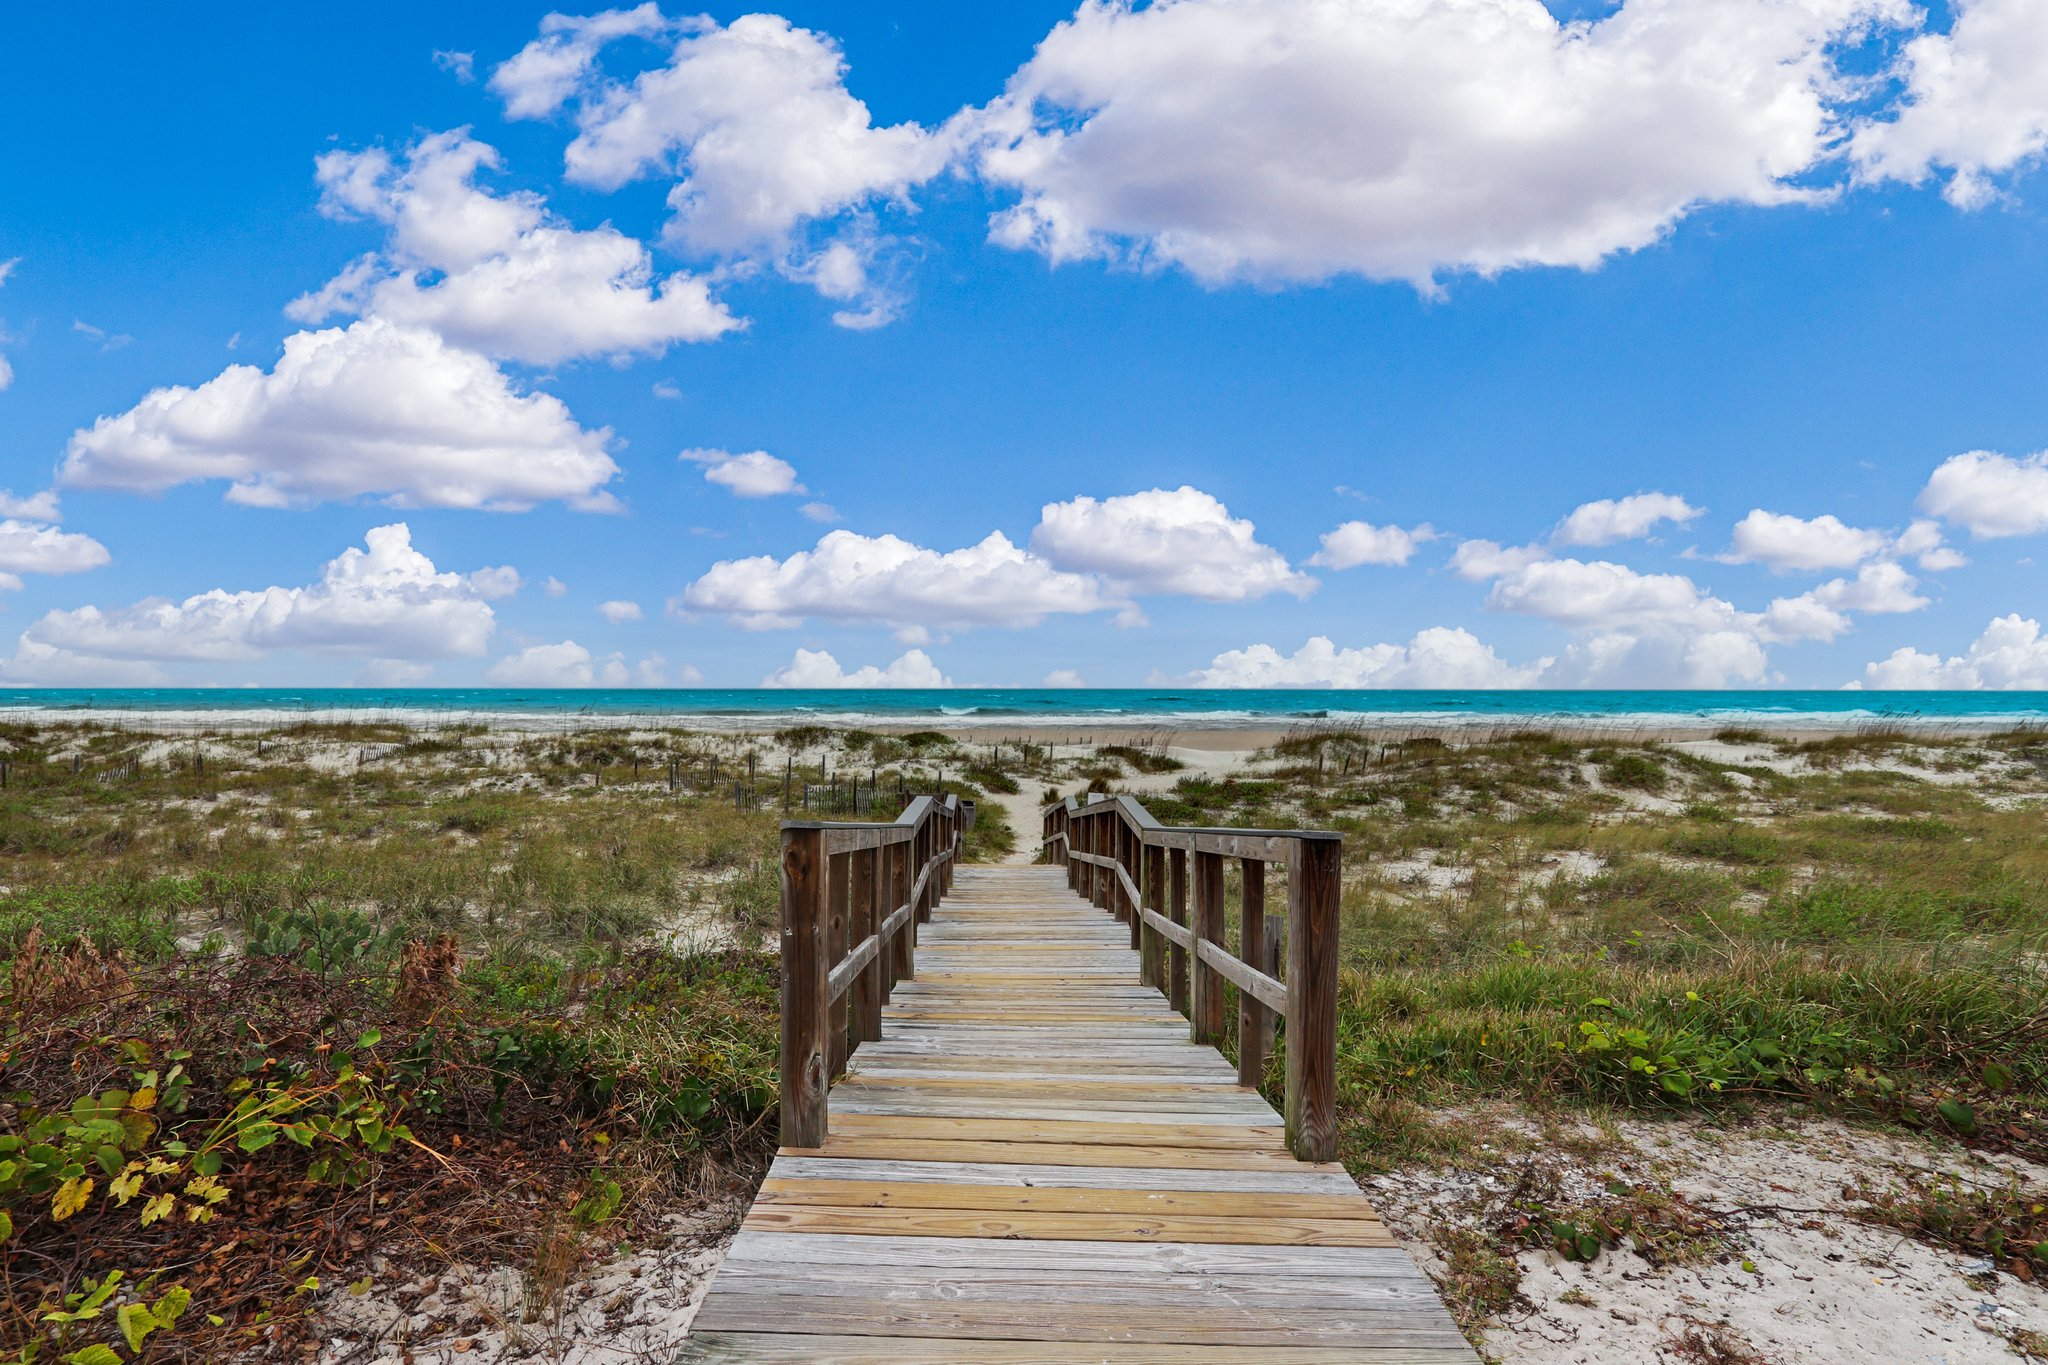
1164, 302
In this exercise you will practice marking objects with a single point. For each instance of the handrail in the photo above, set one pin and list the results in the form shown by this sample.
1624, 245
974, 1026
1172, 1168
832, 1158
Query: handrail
842, 954
1121, 858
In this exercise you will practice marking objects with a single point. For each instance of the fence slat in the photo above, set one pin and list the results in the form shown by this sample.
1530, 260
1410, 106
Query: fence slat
1205, 1018
1177, 911
838, 893
1254, 946
1152, 946
864, 1009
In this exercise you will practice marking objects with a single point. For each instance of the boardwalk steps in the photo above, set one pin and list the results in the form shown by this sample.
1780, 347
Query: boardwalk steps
1034, 1164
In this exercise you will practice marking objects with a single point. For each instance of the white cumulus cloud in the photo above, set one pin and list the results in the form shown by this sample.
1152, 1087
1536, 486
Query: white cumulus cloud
6, 370
755, 120
33, 547
498, 274
35, 507
1787, 543
2011, 653
1635, 628
392, 673
817, 668
569, 664
1478, 560
1611, 519
1360, 542
550, 70
1436, 657
1990, 495
887, 580
1923, 542
1975, 104
1180, 541
753, 474
373, 409
1287, 140
385, 601
1823, 613
619, 612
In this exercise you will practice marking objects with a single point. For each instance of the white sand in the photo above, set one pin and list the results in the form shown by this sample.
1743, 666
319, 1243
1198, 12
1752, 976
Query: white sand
1819, 1288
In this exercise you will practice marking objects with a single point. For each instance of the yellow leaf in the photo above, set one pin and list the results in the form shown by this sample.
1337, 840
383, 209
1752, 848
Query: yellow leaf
126, 1185
144, 1098
158, 1208
71, 1197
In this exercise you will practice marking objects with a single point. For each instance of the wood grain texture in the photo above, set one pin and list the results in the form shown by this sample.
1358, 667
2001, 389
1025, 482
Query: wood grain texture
1313, 889
1033, 1162
1254, 1013
805, 1002
1205, 1011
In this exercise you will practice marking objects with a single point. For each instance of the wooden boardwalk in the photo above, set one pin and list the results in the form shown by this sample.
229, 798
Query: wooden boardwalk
1034, 1164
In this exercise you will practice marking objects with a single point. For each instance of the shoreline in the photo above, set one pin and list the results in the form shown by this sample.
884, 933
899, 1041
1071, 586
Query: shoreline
1201, 732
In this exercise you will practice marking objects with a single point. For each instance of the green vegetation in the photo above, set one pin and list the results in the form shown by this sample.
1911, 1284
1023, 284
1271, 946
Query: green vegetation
1543, 932
275, 1002
1523, 917
521, 991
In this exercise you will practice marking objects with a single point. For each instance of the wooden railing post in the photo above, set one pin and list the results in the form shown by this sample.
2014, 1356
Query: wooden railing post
1151, 955
920, 862
1067, 848
1314, 888
1098, 880
864, 1013
838, 907
805, 990
903, 958
1105, 881
1205, 1019
1177, 956
1132, 853
1259, 946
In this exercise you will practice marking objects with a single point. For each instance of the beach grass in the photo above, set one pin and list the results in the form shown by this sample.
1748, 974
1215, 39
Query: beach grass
548, 959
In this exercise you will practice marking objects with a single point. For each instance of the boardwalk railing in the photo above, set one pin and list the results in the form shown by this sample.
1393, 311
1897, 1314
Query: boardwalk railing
1120, 858
852, 898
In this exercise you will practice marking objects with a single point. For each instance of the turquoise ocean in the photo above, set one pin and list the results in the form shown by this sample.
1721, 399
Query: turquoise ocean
1023, 707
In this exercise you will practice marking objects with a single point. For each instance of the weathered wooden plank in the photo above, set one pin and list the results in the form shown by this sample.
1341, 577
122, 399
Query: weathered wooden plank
1031, 1321
851, 838
1035, 1163
1249, 979
1205, 1013
1257, 945
1168, 930
1229, 1297
1046, 1153
852, 965
886, 1194
1314, 886
806, 1004
1030, 1083
785, 1348
1086, 1227
1263, 1137
1177, 911
1301, 1180
1129, 1260
974, 1109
